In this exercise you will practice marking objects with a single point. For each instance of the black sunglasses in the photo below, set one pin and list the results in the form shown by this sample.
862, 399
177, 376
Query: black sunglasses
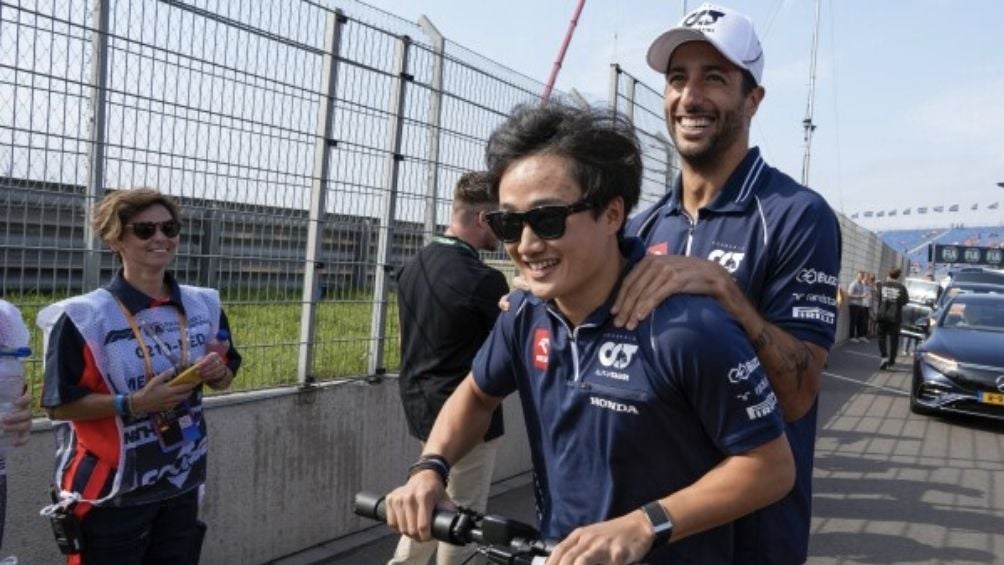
145, 230
548, 222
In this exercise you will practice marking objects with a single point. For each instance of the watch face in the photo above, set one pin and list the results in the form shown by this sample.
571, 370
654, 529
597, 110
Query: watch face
662, 526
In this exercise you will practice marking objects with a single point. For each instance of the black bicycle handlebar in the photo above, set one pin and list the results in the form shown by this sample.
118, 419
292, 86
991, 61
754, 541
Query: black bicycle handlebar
499, 539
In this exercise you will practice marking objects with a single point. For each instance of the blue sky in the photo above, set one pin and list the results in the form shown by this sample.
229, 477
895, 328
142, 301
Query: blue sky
909, 101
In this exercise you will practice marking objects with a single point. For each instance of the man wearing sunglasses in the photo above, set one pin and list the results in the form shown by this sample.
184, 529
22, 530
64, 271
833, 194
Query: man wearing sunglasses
646, 443
448, 302
746, 234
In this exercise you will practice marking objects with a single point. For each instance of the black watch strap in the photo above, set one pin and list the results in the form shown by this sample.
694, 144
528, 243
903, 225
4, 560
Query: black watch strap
662, 525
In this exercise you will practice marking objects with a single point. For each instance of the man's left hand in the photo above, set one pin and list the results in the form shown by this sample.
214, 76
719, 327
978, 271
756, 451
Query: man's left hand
620, 541
657, 277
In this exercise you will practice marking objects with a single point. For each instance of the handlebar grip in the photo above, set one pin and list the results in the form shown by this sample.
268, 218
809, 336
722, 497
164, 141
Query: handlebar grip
447, 525
370, 505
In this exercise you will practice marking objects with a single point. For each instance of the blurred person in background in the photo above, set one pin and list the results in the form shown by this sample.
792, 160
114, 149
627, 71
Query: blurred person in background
873, 301
15, 401
131, 445
448, 302
892, 297
857, 303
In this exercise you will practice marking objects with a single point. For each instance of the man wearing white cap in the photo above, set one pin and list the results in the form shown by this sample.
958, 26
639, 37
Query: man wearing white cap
734, 228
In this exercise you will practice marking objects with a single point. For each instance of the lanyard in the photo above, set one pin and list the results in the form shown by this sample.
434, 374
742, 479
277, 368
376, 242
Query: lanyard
456, 242
147, 361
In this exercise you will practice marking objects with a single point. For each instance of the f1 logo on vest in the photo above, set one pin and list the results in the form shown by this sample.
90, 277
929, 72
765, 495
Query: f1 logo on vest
703, 18
541, 348
728, 259
616, 355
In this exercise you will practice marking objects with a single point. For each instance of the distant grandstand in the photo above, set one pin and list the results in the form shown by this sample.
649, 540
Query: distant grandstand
914, 243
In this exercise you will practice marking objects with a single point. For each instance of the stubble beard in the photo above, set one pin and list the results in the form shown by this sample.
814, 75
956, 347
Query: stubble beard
707, 155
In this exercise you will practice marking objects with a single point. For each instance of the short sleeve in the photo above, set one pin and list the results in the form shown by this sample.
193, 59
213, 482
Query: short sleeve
65, 364
707, 358
800, 295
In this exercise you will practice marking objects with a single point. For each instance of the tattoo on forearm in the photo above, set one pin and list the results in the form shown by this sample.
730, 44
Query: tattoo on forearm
761, 341
802, 362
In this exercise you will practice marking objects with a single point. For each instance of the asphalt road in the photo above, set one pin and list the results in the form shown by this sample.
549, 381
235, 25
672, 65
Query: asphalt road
894, 487
890, 486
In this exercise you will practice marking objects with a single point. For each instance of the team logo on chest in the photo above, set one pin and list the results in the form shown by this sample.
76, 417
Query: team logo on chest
728, 259
541, 348
616, 355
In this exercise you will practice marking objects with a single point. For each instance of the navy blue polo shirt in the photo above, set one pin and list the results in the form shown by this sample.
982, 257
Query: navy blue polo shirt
619, 418
781, 243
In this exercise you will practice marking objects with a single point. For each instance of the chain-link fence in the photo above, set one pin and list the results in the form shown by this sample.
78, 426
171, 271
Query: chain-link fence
313, 146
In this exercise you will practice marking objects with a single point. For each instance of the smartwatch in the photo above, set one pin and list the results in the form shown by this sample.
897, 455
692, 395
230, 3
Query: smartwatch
662, 525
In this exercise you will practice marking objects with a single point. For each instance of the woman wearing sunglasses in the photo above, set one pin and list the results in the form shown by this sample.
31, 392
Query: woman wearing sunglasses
131, 454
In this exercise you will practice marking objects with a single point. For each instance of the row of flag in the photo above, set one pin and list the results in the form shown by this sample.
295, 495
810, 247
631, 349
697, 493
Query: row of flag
919, 209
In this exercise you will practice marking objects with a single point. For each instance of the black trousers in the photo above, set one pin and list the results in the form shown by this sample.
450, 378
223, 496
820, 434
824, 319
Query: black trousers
167, 532
859, 320
888, 331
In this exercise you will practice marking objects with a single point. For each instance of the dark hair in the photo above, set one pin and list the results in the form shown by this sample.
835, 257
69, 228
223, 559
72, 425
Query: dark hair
602, 149
749, 83
117, 208
895, 273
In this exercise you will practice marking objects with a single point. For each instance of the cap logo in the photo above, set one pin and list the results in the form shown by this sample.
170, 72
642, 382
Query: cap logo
703, 18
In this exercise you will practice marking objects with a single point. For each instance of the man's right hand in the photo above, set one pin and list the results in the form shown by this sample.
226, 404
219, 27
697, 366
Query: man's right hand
410, 507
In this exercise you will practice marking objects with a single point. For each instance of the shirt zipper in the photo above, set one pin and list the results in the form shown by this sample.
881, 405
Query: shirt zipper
690, 231
574, 339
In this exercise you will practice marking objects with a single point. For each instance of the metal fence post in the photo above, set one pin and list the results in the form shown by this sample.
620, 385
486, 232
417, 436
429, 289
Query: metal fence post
615, 73
435, 121
394, 157
94, 189
630, 98
318, 194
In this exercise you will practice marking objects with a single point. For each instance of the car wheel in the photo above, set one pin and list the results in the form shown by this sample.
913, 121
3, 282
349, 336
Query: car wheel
917, 407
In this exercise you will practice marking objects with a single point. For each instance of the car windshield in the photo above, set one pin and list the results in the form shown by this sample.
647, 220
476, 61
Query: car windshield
983, 316
920, 290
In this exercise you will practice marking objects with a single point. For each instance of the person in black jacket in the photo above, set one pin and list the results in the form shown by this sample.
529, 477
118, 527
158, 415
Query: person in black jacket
448, 303
892, 297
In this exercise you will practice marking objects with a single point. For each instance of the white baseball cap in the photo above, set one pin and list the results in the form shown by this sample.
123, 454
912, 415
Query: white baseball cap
728, 31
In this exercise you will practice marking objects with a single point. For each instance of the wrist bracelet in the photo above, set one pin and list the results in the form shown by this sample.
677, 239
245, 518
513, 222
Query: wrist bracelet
431, 462
120, 405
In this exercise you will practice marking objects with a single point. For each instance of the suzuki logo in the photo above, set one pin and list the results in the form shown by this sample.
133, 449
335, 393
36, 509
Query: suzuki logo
617, 355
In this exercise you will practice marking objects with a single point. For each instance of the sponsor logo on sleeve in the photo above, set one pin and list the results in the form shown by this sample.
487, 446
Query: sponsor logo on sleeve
742, 371
541, 348
659, 248
762, 409
813, 313
812, 276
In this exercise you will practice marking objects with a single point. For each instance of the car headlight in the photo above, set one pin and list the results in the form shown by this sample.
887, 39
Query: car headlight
940, 363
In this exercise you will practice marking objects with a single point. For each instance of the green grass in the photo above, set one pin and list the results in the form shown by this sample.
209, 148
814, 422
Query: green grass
266, 331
